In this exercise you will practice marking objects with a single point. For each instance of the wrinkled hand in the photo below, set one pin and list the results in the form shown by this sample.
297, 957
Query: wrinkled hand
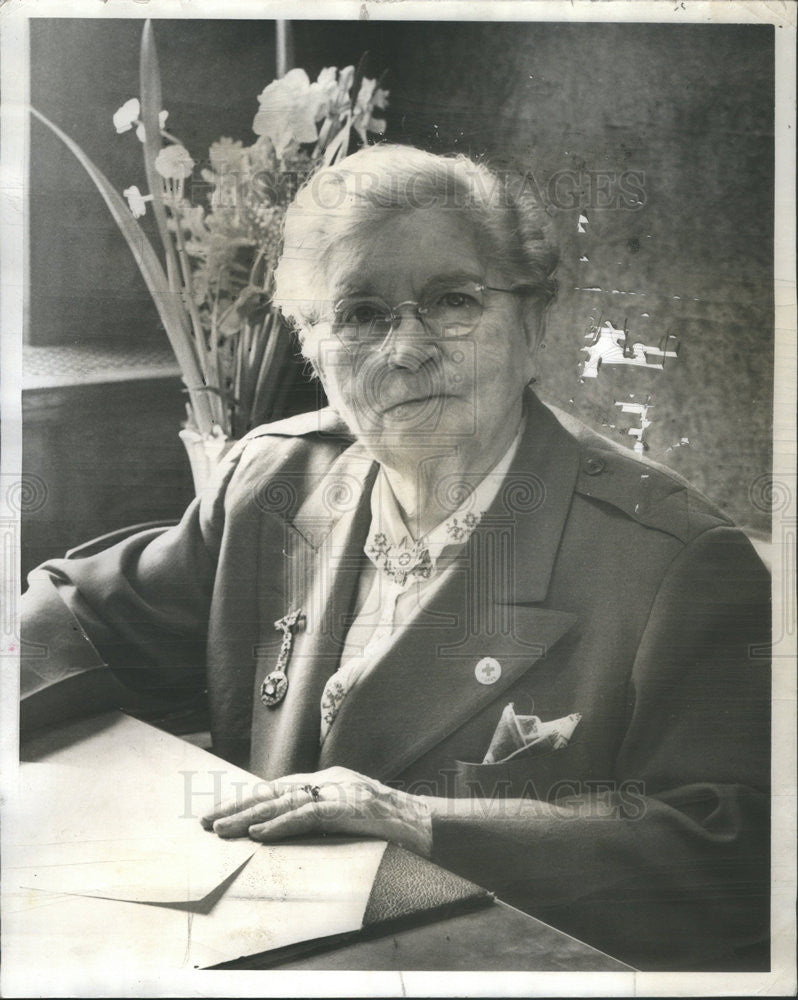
336, 800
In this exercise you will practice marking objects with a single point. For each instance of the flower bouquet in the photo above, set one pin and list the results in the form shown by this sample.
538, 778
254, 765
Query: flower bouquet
212, 284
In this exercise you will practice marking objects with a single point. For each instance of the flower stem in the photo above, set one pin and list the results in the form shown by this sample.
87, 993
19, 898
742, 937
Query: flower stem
255, 264
218, 405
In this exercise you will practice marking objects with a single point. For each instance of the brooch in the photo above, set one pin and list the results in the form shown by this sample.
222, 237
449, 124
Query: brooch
275, 684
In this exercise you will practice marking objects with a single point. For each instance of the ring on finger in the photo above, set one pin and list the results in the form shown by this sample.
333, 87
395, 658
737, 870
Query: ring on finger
313, 791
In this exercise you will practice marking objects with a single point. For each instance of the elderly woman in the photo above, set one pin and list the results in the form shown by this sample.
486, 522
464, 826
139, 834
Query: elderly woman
441, 613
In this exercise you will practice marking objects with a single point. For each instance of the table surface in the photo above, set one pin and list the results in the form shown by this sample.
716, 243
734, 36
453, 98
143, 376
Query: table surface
494, 937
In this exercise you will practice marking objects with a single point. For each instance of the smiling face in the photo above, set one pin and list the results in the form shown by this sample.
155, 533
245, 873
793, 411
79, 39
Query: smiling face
411, 391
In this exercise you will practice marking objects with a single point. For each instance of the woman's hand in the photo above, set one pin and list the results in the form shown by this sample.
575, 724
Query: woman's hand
336, 800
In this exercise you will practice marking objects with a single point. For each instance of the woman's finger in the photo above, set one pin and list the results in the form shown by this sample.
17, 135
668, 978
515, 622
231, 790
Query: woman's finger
266, 790
312, 817
239, 823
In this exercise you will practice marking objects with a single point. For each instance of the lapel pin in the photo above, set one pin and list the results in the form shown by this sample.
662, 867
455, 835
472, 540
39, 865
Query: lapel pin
488, 670
275, 684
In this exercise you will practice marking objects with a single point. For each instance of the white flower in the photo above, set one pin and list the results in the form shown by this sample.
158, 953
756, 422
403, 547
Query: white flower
346, 79
363, 119
162, 116
174, 162
327, 81
333, 89
137, 201
127, 116
288, 111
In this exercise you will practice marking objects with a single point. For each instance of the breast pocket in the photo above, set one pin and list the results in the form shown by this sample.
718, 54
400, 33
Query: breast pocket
523, 775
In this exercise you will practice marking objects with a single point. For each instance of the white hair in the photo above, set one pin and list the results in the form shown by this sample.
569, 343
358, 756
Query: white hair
341, 205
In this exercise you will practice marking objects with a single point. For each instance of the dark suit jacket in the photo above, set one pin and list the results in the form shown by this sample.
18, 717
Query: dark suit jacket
602, 584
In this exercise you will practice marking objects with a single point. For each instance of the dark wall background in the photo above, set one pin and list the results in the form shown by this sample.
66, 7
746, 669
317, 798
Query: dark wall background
686, 108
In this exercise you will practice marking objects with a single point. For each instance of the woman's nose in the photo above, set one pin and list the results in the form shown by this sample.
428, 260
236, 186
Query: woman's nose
408, 344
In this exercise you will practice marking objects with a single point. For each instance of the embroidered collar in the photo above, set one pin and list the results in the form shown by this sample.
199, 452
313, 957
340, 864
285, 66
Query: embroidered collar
390, 545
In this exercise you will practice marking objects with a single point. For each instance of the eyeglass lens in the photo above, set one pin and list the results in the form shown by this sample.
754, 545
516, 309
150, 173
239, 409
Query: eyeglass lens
449, 312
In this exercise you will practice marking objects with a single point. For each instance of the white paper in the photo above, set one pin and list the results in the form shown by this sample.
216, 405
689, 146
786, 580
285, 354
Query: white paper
116, 813
109, 863
285, 894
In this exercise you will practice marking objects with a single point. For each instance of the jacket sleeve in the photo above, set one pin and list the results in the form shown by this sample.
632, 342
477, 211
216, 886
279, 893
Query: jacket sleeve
126, 627
667, 867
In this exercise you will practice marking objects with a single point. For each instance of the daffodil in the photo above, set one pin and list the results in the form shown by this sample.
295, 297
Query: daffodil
221, 253
127, 116
130, 114
363, 118
174, 163
332, 88
137, 201
288, 111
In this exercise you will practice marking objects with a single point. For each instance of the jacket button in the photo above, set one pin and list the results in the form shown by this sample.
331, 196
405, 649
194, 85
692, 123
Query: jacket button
593, 466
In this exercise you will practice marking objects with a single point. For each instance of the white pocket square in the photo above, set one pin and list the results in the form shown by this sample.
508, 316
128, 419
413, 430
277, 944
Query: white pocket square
527, 732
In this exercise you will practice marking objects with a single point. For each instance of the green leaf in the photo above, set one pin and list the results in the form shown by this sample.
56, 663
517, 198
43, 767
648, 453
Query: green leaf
274, 367
150, 97
167, 302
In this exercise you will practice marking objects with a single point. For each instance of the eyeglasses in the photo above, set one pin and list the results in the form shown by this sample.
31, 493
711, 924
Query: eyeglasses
445, 313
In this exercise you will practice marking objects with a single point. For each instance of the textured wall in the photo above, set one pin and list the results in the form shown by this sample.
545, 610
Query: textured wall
686, 109
686, 114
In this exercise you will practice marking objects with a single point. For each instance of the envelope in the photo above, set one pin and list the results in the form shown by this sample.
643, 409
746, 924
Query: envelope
527, 732
114, 813
107, 865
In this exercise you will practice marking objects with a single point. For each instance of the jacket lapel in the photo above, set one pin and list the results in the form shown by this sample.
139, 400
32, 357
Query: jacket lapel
322, 554
425, 686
